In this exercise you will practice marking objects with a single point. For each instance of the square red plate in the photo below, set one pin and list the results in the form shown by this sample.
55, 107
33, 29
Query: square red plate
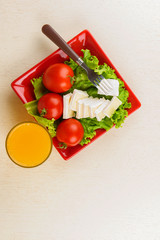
23, 87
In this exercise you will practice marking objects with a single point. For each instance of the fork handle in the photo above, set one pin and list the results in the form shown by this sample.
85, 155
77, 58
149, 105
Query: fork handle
61, 43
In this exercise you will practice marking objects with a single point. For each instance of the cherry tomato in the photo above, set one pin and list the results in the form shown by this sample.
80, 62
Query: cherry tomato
50, 106
56, 78
70, 132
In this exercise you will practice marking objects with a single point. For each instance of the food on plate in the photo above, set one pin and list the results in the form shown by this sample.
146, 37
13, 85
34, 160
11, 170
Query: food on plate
93, 106
111, 87
85, 106
100, 110
67, 112
112, 107
77, 95
58, 78
82, 101
70, 132
81, 110
50, 106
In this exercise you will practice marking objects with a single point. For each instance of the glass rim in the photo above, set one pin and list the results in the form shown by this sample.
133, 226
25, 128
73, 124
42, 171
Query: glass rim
21, 123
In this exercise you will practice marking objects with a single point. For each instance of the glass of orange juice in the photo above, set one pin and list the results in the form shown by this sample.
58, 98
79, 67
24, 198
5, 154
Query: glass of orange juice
28, 144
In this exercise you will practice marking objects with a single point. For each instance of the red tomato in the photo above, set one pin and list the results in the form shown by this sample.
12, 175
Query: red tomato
56, 78
70, 132
50, 106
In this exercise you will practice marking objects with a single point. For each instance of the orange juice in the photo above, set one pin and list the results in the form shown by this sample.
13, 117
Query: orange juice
28, 144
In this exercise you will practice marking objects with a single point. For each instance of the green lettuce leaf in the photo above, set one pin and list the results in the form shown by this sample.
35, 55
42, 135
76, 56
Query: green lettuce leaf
123, 95
72, 64
106, 71
91, 124
119, 116
31, 108
90, 61
39, 89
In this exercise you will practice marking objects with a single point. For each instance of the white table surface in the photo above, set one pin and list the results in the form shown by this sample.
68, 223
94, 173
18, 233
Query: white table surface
110, 190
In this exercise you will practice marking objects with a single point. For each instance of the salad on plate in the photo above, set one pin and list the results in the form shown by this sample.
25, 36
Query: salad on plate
71, 107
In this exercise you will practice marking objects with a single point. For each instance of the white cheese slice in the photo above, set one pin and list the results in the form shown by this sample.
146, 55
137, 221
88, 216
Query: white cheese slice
77, 95
67, 112
99, 111
94, 105
80, 107
112, 107
111, 87
86, 109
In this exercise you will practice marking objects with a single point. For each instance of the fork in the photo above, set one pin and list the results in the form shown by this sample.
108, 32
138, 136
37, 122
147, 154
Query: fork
61, 43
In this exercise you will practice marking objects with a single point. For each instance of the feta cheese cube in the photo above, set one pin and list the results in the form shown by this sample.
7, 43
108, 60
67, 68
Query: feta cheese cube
94, 105
99, 111
67, 112
80, 108
112, 107
77, 95
111, 87
86, 109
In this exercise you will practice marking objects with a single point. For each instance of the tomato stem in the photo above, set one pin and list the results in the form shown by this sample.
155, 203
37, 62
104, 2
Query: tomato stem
62, 145
72, 79
43, 112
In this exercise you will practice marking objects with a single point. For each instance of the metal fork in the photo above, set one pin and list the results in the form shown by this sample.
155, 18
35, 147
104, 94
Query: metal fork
61, 43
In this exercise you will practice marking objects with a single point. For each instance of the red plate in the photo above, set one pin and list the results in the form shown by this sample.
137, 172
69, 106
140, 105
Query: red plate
23, 87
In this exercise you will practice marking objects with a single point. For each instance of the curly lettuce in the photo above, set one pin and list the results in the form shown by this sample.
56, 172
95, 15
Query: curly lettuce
90, 126
39, 89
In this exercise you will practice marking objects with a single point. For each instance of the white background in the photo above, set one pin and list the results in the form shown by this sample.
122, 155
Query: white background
110, 190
